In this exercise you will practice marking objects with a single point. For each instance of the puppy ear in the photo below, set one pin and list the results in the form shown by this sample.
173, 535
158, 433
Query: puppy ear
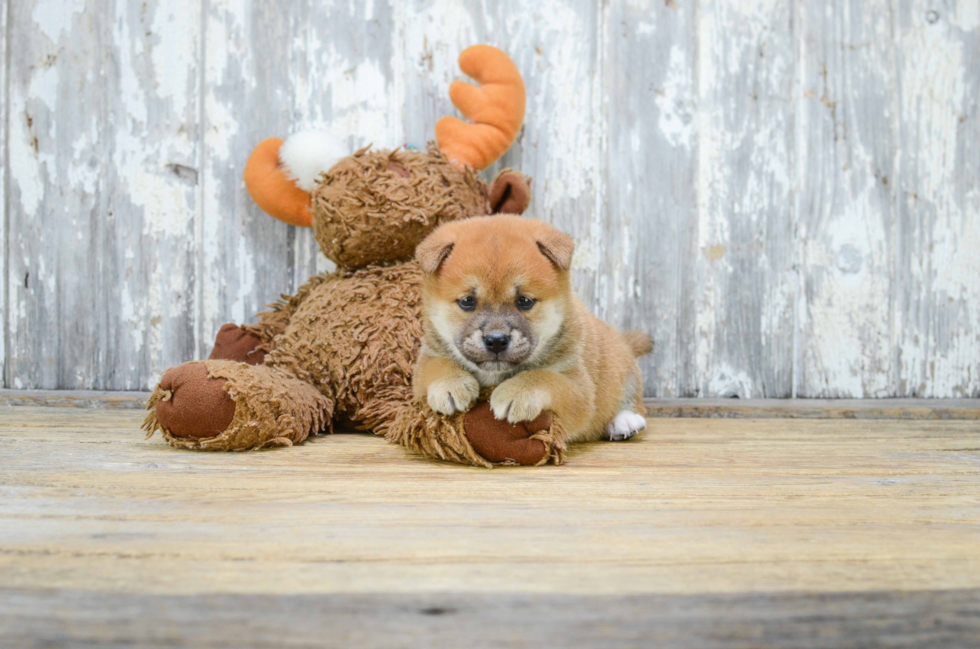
510, 192
434, 250
558, 247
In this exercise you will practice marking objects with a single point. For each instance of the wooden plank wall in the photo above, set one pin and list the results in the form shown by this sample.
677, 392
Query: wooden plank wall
786, 195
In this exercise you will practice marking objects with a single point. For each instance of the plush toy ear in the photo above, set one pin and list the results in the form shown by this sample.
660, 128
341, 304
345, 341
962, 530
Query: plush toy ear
434, 250
558, 247
510, 192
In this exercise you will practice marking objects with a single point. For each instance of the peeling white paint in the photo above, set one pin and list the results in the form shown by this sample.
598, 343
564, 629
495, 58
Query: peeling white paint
932, 101
676, 118
175, 39
726, 381
939, 348
569, 170
4, 253
360, 100
967, 15
54, 19
804, 267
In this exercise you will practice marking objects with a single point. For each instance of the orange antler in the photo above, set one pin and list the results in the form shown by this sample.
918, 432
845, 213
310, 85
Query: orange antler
271, 188
495, 108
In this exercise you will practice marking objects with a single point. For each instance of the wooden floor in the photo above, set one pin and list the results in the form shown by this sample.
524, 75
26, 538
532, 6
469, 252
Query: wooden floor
702, 532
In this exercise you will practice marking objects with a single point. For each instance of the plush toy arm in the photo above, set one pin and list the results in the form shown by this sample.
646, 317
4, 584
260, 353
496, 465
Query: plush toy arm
495, 108
477, 437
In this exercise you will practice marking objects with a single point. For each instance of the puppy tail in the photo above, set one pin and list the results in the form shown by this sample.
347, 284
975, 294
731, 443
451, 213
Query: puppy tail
639, 342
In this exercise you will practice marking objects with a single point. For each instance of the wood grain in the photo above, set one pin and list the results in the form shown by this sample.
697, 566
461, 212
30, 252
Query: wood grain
699, 532
938, 198
919, 619
47, 235
75, 399
693, 506
732, 408
746, 255
815, 408
649, 256
783, 193
848, 225
102, 198
4, 236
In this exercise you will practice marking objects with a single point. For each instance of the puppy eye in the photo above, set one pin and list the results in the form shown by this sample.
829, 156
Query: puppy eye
467, 303
524, 302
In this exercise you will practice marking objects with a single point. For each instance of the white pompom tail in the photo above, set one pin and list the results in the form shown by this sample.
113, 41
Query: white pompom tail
307, 154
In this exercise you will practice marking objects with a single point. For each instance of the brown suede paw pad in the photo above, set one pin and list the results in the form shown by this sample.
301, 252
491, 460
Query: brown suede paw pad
198, 406
499, 441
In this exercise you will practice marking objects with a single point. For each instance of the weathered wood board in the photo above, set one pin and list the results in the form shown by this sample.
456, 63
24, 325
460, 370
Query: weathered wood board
913, 620
786, 193
847, 215
916, 408
700, 532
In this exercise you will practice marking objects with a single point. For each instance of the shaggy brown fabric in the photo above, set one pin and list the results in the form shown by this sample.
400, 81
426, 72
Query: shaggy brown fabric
233, 343
355, 337
421, 430
272, 323
366, 211
428, 433
192, 404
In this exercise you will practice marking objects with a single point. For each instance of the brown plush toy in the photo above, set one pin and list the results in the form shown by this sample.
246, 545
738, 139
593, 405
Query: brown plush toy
342, 349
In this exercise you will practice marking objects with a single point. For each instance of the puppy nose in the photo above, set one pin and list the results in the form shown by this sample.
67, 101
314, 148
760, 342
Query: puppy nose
496, 343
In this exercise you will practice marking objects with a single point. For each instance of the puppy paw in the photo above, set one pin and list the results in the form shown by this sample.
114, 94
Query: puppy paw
450, 395
624, 425
512, 402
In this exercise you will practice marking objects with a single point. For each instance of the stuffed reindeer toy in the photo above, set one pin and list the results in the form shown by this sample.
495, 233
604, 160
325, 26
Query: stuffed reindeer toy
341, 350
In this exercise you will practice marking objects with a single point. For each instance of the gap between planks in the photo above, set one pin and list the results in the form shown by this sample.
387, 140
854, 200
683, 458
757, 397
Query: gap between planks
705, 408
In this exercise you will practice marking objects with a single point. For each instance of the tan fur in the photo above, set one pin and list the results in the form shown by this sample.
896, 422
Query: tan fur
580, 368
639, 342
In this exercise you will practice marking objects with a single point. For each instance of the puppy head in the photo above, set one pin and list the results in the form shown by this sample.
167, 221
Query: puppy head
496, 290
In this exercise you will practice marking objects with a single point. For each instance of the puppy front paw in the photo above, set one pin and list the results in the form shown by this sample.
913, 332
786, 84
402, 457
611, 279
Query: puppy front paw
450, 395
513, 402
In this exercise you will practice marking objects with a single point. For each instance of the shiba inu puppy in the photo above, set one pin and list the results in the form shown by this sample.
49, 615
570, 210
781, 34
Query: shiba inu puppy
499, 311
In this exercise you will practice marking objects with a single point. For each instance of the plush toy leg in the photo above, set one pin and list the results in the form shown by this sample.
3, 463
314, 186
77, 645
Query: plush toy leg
234, 343
229, 406
477, 437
